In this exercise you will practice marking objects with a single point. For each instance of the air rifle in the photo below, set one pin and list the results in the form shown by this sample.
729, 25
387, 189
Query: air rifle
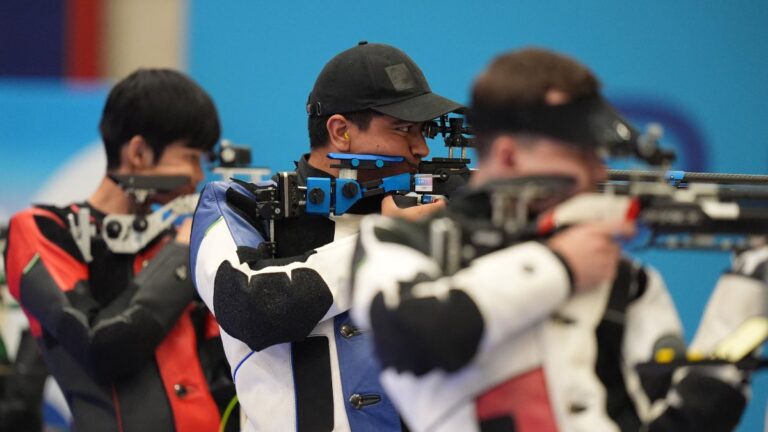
697, 215
130, 233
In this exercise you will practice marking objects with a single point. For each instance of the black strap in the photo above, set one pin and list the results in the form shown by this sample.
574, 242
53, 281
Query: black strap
312, 383
610, 338
498, 424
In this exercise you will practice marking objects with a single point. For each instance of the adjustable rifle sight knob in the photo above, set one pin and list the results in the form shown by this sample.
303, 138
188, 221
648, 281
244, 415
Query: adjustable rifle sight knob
349, 190
316, 196
140, 224
113, 229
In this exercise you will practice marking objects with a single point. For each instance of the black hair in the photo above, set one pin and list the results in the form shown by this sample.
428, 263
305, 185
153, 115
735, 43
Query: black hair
318, 131
161, 105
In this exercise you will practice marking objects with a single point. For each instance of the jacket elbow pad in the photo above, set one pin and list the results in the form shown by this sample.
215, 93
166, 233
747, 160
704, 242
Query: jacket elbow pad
270, 308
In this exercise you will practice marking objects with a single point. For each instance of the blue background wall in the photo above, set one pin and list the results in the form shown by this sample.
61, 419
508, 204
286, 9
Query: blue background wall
698, 66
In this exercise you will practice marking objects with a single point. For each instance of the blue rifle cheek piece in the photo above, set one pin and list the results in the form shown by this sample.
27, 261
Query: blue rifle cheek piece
323, 184
365, 157
342, 202
397, 183
642, 238
674, 178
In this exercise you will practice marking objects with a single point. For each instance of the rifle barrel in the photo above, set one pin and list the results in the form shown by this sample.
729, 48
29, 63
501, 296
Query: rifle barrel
684, 176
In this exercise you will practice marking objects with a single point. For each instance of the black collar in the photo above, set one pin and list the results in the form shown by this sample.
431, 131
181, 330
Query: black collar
305, 170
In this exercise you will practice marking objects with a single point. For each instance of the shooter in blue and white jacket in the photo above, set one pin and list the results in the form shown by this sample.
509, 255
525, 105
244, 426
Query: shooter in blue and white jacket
298, 362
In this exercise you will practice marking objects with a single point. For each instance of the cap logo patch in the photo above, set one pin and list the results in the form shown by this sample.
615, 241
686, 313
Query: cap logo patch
400, 77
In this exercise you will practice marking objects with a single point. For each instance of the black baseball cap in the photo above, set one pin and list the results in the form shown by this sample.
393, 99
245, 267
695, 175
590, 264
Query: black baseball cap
378, 77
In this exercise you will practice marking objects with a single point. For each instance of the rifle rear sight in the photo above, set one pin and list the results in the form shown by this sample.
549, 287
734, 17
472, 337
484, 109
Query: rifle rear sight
453, 131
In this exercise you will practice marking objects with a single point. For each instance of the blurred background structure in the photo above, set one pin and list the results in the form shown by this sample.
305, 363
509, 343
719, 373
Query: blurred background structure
698, 69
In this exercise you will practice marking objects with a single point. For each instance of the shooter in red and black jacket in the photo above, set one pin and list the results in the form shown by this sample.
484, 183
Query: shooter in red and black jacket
124, 334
